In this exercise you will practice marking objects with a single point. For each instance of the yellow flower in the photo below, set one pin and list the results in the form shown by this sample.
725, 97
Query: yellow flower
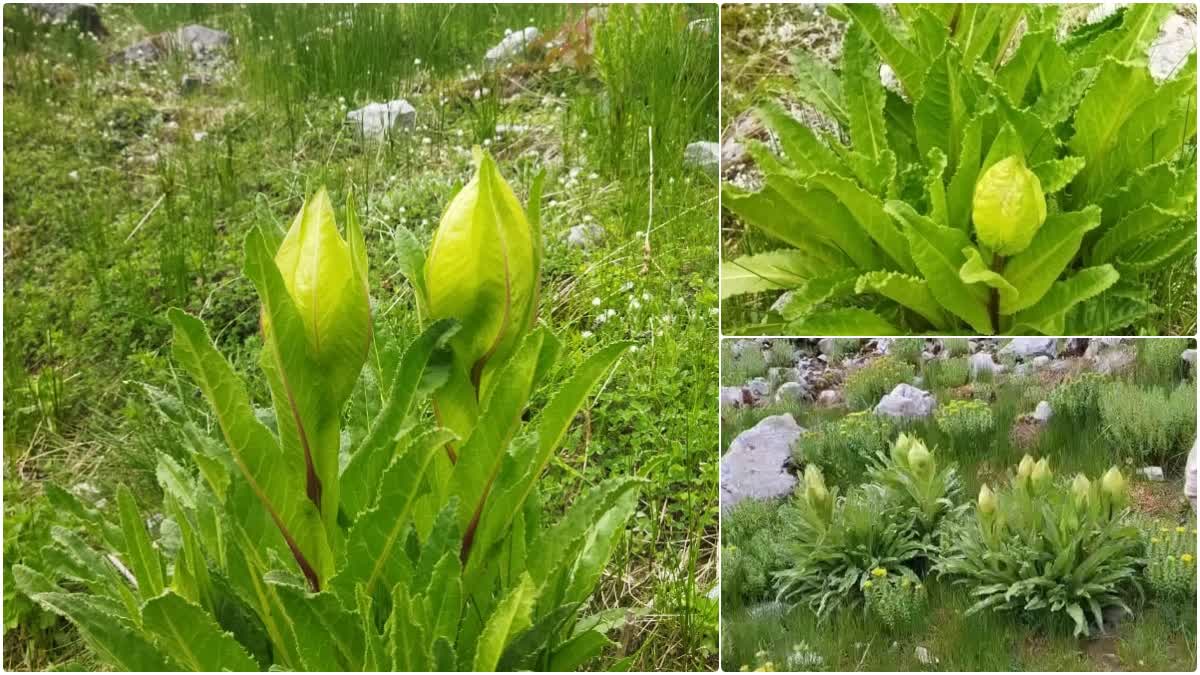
868, 584
1155, 540
1181, 529
904, 584
1186, 557
879, 572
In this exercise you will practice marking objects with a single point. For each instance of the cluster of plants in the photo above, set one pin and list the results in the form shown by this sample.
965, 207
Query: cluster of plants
1078, 398
421, 546
896, 602
1160, 358
844, 447
1008, 181
964, 422
865, 386
1149, 424
947, 373
1170, 572
907, 349
748, 567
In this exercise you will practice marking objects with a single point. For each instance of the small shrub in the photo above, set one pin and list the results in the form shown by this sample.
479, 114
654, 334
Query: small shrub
1171, 565
741, 366
956, 346
908, 349
1045, 547
1078, 398
842, 448
1151, 424
897, 602
781, 354
947, 373
752, 551
865, 386
843, 347
965, 422
1160, 359
836, 540
914, 485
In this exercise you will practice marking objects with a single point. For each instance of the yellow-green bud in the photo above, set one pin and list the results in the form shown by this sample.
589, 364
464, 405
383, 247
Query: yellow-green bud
900, 449
326, 278
1025, 468
1081, 488
1041, 474
815, 491
920, 459
987, 500
482, 269
1008, 207
1113, 486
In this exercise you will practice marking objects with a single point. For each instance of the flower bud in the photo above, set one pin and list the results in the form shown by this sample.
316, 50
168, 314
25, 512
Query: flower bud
1113, 487
815, 491
900, 449
1041, 474
1025, 468
920, 459
326, 278
1081, 489
1008, 207
482, 269
987, 500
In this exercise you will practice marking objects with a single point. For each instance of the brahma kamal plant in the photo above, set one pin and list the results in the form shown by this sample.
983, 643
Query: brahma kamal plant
421, 547
1007, 182
1049, 547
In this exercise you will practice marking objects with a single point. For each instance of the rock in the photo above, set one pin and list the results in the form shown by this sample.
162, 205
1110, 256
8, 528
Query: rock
87, 493
981, 363
703, 155
585, 236
906, 401
715, 593
1041, 361
829, 398
1189, 355
888, 78
1075, 346
191, 82
200, 42
731, 397
513, 45
756, 465
700, 26
826, 346
1169, 51
73, 176
1043, 412
791, 392
758, 388
923, 655
84, 16
1154, 473
1027, 348
375, 120
1113, 361
883, 345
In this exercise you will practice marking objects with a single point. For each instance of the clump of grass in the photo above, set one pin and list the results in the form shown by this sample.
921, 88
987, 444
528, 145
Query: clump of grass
1159, 359
780, 354
865, 386
908, 349
956, 346
1078, 398
967, 423
947, 373
739, 366
1149, 423
751, 552
843, 448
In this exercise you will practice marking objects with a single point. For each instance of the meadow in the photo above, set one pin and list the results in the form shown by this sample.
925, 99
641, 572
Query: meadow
130, 188
1033, 519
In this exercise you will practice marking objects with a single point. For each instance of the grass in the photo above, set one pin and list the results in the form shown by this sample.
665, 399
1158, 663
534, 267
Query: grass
125, 195
792, 638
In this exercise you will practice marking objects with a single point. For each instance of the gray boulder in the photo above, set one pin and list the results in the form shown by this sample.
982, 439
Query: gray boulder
756, 466
1043, 412
1041, 361
199, 42
906, 401
585, 236
1113, 361
1027, 348
791, 392
731, 397
829, 398
81, 15
703, 155
375, 120
758, 388
1189, 355
513, 45
982, 363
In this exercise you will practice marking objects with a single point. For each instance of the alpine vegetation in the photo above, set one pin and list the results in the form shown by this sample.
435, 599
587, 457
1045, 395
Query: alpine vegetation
423, 545
1006, 181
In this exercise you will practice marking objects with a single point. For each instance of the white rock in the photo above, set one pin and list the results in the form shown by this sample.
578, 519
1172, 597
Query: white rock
1113, 361
1027, 348
887, 76
1154, 473
829, 398
375, 120
513, 45
585, 236
982, 363
1176, 39
756, 465
1189, 355
791, 392
1041, 361
923, 656
906, 401
731, 397
1043, 412
704, 155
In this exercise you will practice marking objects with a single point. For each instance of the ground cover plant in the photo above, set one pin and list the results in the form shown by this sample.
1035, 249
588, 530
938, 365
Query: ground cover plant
1017, 171
149, 177
979, 536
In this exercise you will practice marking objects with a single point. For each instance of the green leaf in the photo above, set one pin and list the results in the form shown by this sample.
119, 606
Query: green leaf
512, 615
1155, 184
771, 271
1015, 75
1159, 250
1033, 270
818, 85
523, 653
908, 65
443, 602
1110, 311
141, 555
798, 302
863, 94
192, 637
278, 484
1049, 315
581, 648
1118, 91
601, 541
936, 189
408, 643
942, 112
373, 547
847, 321
328, 638
909, 291
1137, 226
806, 153
868, 211
415, 374
962, 186
811, 212
1056, 174
410, 262
975, 271
937, 252
109, 634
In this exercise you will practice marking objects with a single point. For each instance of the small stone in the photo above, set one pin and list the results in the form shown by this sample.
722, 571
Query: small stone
1043, 412
84, 16
585, 236
1041, 361
703, 155
199, 136
906, 401
731, 397
791, 392
982, 363
759, 388
73, 176
1189, 355
1027, 348
1154, 473
513, 45
829, 398
375, 120
923, 656
1113, 361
